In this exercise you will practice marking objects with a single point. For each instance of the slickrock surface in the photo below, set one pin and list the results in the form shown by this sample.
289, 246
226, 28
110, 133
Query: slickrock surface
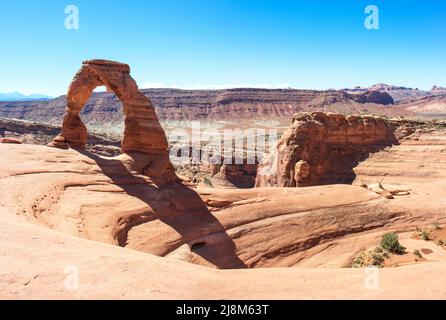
420, 158
95, 198
322, 148
98, 198
127, 226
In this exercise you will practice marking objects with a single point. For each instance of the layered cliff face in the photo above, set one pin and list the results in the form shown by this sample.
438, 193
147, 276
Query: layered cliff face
431, 105
323, 148
105, 109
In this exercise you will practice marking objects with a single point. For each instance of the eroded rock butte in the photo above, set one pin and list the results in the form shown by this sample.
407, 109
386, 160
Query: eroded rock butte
322, 148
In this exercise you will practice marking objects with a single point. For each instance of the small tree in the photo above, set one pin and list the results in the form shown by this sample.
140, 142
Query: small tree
390, 242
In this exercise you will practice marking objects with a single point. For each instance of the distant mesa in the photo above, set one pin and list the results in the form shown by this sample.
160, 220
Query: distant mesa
327, 98
378, 87
387, 87
375, 96
438, 89
398, 93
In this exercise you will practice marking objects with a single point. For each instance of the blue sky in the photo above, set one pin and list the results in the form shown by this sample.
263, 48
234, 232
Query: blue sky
212, 43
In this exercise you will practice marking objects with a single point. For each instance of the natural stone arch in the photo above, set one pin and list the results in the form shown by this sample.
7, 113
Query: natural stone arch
143, 138
142, 133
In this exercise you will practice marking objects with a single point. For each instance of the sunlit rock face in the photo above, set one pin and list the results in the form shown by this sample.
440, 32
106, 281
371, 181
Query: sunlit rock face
322, 148
143, 134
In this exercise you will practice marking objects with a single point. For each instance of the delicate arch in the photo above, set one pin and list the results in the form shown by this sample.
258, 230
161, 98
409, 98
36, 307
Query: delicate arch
143, 132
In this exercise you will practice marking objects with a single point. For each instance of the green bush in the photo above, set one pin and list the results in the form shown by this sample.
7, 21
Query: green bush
417, 253
378, 249
357, 262
207, 182
390, 242
425, 235
377, 259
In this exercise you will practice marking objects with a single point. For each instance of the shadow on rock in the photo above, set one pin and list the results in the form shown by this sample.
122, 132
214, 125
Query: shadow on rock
174, 204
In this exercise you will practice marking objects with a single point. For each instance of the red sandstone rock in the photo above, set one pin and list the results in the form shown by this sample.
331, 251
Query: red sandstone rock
10, 140
301, 171
143, 133
322, 148
238, 173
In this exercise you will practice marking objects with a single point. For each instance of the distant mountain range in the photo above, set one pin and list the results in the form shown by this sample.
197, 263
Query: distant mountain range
17, 96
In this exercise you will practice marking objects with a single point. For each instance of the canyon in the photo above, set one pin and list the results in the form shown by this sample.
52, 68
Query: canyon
175, 105
330, 189
311, 233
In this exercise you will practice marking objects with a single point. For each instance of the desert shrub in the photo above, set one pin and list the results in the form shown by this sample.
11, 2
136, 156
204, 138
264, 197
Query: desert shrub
417, 253
425, 235
390, 242
377, 259
440, 242
378, 249
207, 182
357, 263
437, 226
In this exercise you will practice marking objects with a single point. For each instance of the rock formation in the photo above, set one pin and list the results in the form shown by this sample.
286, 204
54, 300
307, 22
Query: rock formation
10, 140
143, 134
233, 175
375, 97
438, 90
323, 148
309, 236
95, 198
43, 133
